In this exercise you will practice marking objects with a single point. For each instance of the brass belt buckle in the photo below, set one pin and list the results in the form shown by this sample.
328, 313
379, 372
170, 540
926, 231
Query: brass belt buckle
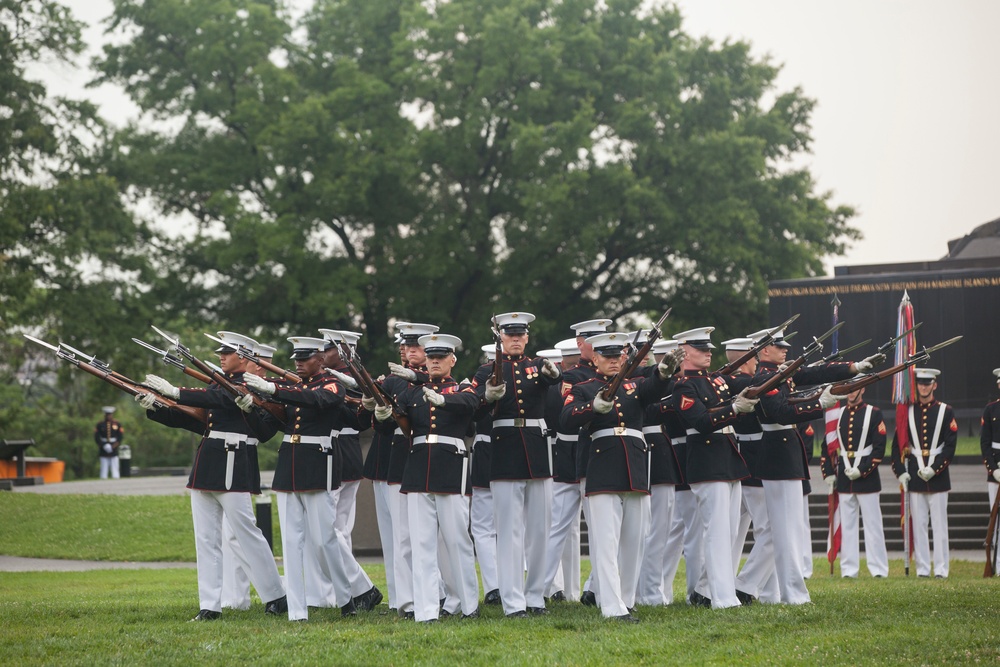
432, 439
620, 430
925, 452
295, 439
519, 422
850, 455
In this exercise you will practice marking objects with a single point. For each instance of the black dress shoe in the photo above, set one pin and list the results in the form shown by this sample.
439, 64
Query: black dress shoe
493, 597
275, 607
699, 600
406, 615
518, 614
558, 596
474, 614
444, 613
626, 618
369, 599
207, 615
537, 611
349, 609
588, 599
745, 598
429, 621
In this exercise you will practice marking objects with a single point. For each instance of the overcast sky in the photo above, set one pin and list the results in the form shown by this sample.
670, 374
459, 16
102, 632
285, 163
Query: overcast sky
906, 128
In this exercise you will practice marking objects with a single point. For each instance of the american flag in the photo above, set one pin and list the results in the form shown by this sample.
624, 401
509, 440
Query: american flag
832, 419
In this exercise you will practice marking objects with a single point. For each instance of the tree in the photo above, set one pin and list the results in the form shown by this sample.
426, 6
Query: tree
444, 161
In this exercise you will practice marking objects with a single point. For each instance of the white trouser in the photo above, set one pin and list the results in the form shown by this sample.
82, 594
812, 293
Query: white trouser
402, 557
675, 546
563, 553
523, 514
654, 588
428, 514
347, 497
384, 518
484, 535
686, 511
850, 553
933, 506
806, 537
307, 526
109, 464
719, 513
208, 510
622, 519
757, 577
991, 489
319, 588
784, 509
591, 582
742, 530
235, 582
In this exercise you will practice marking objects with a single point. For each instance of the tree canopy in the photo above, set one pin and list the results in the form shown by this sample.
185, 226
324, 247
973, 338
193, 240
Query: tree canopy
366, 162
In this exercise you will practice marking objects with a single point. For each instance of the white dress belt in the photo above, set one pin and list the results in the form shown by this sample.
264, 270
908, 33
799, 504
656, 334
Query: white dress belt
322, 440
435, 439
349, 431
749, 437
996, 445
565, 437
679, 440
482, 437
230, 437
777, 427
519, 423
619, 431
652, 429
398, 431
728, 430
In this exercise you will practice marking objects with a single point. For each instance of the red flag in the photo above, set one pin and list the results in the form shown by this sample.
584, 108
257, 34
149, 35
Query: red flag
904, 394
832, 441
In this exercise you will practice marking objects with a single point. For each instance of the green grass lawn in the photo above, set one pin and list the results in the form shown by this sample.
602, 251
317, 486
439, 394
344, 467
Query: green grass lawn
140, 617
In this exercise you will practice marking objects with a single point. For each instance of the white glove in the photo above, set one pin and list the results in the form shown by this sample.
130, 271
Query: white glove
259, 384
904, 480
345, 379
549, 368
782, 367
495, 392
433, 397
147, 401
383, 412
996, 474
601, 406
853, 474
368, 403
161, 386
831, 481
107, 448
827, 399
742, 404
402, 371
868, 363
669, 363
245, 402
926, 473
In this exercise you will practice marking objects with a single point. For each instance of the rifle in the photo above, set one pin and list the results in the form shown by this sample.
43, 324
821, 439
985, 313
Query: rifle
734, 365
836, 356
277, 410
860, 381
244, 353
370, 389
102, 371
789, 370
497, 378
176, 362
628, 368
992, 537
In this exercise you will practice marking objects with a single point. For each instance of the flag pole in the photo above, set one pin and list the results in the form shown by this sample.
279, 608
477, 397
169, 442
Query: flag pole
831, 420
904, 395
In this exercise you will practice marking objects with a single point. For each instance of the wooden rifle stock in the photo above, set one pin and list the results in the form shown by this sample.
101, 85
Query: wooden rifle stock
133, 389
628, 368
277, 370
371, 389
734, 365
775, 380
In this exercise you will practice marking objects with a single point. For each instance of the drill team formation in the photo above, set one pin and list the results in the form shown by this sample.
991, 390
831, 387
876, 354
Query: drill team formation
665, 459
